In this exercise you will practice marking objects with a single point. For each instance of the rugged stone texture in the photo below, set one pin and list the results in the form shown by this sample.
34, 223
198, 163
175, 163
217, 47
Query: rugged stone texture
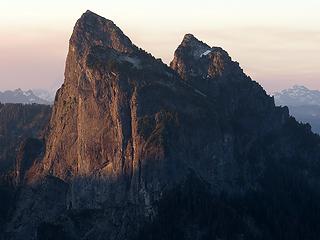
135, 149
30, 151
114, 116
44, 200
17, 123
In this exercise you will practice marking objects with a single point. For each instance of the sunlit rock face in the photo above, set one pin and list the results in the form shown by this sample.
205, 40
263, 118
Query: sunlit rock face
110, 117
134, 144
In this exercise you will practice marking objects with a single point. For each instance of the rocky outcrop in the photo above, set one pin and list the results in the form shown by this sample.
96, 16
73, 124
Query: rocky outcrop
17, 123
42, 201
135, 149
30, 151
196, 61
112, 115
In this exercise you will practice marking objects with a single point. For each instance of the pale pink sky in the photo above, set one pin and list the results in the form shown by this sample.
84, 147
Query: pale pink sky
276, 42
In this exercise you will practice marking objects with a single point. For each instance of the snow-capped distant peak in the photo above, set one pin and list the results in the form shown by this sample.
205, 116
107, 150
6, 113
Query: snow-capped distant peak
297, 96
45, 94
20, 96
299, 87
28, 93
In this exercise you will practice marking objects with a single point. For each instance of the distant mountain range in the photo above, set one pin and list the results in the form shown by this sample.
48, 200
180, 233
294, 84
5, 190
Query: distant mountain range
37, 96
303, 103
45, 94
297, 96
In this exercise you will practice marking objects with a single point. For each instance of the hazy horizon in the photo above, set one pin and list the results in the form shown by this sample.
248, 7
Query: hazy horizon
276, 43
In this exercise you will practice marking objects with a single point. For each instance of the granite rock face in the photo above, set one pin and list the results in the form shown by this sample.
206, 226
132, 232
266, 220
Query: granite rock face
135, 148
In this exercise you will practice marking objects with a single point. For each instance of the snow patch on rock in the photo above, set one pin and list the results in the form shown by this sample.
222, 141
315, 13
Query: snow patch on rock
205, 53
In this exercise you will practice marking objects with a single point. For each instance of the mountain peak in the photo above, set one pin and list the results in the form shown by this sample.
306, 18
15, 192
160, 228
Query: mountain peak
124, 143
194, 45
18, 90
88, 12
194, 58
190, 37
300, 87
89, 17
92, 30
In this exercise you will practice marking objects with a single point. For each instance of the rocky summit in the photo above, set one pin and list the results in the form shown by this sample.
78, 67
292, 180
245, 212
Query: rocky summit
136, 149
